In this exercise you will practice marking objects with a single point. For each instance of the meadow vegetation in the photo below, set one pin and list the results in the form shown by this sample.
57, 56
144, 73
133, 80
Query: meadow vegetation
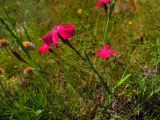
61, 85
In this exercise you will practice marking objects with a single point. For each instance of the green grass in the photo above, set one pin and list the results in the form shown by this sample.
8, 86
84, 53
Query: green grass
63, 86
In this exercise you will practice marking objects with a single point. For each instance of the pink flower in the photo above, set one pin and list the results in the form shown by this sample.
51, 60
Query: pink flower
106, 52
102, 2
65, 31
43, 49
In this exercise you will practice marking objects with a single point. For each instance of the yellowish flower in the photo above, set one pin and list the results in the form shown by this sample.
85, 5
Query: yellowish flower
11, 82
130, 22
79, 11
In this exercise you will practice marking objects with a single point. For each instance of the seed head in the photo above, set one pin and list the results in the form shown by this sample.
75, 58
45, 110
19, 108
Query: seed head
29, 45
2, 71
4, 43
28, 71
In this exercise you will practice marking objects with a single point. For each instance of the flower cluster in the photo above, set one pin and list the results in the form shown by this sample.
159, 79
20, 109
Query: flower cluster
51, 39
66, 32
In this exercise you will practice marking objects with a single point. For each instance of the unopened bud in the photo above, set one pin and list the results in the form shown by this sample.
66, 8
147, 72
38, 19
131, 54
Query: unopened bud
29, 45
28, 71
4, 43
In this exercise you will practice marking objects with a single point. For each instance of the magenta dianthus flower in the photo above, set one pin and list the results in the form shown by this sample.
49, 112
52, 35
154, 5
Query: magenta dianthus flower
102, 2
66, 32
44, 48
106, 52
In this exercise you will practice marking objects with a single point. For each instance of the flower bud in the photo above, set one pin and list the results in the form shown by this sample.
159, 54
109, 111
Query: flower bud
79, 11
29, 45
4, 43
28, 71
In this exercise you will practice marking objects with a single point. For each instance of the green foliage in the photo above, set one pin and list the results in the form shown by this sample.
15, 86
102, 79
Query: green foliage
62, 86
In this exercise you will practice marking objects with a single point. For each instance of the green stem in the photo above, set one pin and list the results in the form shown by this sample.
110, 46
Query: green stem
101, 79
108, 16
106, 29
88, 62
128, 65
9, 54
9, 19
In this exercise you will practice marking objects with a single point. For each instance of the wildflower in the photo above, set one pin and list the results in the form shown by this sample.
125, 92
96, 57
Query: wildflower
28, 71
79, 11
4, 43
44, 48
130, 22
29, 45
103, 2
11, 82
106, 52
65, 31
2, 71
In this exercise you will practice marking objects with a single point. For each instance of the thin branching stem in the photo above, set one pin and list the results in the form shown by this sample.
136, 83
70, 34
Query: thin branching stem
87, 61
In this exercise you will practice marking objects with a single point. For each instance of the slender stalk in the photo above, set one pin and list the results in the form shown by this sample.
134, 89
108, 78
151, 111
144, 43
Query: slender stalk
108, 16
101, 80
66, 42
18, 56
128, 65
112, 8
105, 9
9, 54
95, 71
88, 62
106, 29
76, 51
51, 51
17, 39
9, 19
100, 77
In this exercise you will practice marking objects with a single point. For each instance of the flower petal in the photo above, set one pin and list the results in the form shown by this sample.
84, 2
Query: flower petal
44, 48
102, 2
48, 38
106, 1
67, 31
102, 54
55, 39
106, 52
111, 52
